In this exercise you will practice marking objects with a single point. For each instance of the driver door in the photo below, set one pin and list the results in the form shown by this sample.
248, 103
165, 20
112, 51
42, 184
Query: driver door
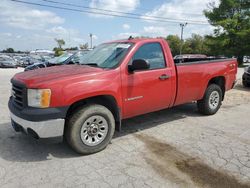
147, 90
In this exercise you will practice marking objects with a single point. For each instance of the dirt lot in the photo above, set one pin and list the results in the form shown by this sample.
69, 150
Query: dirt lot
171, 148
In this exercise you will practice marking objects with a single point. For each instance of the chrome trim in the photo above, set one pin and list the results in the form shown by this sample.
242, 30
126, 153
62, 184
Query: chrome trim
44, 129
134, 98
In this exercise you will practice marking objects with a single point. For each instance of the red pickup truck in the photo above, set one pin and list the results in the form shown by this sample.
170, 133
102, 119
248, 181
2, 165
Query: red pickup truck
85, 103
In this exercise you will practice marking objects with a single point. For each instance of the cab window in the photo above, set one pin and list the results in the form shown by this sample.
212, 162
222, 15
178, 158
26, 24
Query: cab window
151, 52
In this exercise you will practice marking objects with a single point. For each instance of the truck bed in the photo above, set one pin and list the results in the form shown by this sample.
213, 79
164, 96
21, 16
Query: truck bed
193, 60
192, 80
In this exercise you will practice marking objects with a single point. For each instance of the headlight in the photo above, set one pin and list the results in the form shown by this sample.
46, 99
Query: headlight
39, 98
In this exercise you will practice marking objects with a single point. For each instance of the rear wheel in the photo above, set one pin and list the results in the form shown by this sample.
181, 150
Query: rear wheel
90, 129
211, 101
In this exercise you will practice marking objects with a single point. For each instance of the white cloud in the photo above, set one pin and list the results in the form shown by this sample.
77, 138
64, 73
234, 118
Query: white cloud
125, 35
47, 26
164, 30
71, 36
126, 26
155, 30
94, 37
6, 34
179, 11
77, 41
59, 30
43, 39
19, 16
113, 5
201, 30
184, 10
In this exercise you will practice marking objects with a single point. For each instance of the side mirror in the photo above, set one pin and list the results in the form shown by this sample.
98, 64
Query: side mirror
138, 64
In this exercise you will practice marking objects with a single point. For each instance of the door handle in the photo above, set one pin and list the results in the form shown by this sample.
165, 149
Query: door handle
164, 77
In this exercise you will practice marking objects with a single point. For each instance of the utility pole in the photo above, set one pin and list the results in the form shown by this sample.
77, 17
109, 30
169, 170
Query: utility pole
91, 36
182, 28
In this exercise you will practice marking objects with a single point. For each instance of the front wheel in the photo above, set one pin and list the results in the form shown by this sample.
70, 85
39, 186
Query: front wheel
211, 101
90, 129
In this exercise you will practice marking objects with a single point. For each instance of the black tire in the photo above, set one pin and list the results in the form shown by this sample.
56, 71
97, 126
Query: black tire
245, 84
204, 105
75, 123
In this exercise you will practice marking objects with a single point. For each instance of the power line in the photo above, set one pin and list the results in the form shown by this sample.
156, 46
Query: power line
147, 9
120, 12
102, 13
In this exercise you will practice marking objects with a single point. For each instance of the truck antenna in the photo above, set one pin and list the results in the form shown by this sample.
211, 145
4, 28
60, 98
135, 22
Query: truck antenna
130, 38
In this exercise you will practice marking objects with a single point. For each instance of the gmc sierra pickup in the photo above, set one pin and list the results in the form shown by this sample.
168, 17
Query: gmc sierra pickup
85, 103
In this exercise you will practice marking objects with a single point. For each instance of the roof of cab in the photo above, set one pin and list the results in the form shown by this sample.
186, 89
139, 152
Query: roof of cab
136, 40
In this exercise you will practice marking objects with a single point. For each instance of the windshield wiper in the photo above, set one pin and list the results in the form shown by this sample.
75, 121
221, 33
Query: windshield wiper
91, 64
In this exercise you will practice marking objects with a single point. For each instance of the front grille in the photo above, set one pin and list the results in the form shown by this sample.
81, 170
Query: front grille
18, 95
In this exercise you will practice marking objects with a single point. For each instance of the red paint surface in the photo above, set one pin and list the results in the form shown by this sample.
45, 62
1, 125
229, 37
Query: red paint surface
71, 83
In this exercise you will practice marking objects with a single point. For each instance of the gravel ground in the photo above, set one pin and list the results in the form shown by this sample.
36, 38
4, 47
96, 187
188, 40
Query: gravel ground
177, 147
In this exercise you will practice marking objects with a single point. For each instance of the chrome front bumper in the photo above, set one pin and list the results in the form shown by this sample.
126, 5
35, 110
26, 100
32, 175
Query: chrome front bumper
44, 129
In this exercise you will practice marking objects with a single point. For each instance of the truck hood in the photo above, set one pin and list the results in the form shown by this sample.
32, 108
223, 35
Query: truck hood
49, 74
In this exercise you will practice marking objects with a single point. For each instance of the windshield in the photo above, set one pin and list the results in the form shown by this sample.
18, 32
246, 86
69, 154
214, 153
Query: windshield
106, 55
78, 56
60, 59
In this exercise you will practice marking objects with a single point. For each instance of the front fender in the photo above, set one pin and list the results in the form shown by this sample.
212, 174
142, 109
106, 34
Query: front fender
90, 88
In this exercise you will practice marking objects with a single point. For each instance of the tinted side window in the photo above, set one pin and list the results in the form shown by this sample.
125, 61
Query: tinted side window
152, 52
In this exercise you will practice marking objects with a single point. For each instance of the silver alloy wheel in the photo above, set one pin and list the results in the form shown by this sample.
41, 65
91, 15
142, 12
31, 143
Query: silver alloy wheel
214, 99
94, 130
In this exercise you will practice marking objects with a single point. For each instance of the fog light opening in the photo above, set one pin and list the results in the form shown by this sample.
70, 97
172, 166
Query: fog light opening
32, 133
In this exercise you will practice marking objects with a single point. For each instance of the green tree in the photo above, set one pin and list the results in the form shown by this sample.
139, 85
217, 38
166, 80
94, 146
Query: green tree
60, 42
58, 51
84, 46
174, 43
9, 50
214, 45
232, 21
195, 45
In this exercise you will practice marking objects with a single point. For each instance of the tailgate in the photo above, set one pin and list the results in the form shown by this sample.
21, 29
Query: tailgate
232, 68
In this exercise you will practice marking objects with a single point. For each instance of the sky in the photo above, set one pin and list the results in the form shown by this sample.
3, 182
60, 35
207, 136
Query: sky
30, 27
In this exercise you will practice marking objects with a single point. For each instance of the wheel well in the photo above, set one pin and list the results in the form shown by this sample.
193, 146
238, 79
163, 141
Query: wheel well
106, 100
220, 81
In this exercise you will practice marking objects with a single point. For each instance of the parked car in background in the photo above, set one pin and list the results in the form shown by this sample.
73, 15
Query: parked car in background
38, 57
64, 59
246, 77
29, 60
246, 59
47, 58
18, 59
7, 62
24, 59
